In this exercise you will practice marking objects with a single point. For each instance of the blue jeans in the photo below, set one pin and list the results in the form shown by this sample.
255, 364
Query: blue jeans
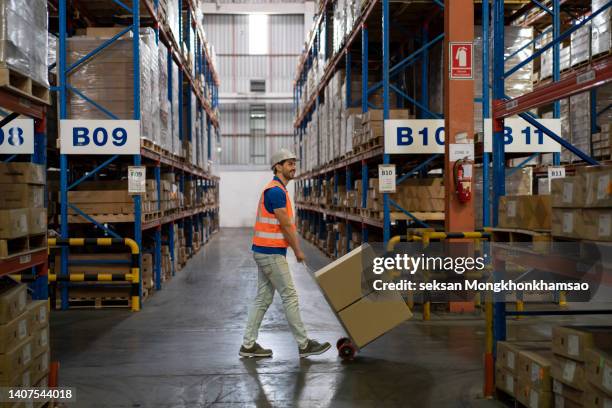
273, 274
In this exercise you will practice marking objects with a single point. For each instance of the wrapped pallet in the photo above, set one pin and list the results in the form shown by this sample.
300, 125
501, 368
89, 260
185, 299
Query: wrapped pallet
164, 103
24, 53
107, 79
177, 147
581, 45
600, 26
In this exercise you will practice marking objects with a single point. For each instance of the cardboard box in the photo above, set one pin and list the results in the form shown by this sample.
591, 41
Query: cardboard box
508, 213
341, 280
22, 378
38, 315
37, 221
566, 222
16, 359
569, 372
373, 316
567, 192
568, 393
573, 341
508, 352
378, 115
534, 368
598, 185
40, 341
13, 223
100, 196
13, 332
534, 212
22, 173
506, 381
596, 224
599, 369
595, 398
13, 300
40, 366
561, 401
22, 196
532, 397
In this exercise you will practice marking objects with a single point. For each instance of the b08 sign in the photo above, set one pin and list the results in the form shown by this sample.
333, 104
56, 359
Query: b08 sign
17, 137
100, 137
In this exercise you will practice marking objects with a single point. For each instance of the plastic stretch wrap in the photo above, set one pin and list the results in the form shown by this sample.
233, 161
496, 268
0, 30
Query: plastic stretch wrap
23, 38
581, 44
52, 51
151, 58
580, 123
173, 18
601, 38
107, 79
194, 140
164, 104
177, 148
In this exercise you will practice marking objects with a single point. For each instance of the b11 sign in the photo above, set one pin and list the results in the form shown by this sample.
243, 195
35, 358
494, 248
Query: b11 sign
106, 137
17, 137
521, 137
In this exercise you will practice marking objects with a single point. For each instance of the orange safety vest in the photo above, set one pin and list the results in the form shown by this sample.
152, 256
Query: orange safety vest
267, 229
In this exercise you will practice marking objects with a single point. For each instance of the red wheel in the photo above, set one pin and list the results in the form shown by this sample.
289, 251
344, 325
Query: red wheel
342, 341
347, 351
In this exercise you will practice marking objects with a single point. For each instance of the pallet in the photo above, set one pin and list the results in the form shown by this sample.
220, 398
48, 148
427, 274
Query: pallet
23, 85
10, 248
151, 216
101, 218
421, 215
96, 298
519, 235
376, 215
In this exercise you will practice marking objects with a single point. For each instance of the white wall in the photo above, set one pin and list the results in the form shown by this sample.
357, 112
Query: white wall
239, 195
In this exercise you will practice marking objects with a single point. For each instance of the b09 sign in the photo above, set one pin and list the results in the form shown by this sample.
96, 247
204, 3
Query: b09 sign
100, 137
17, 137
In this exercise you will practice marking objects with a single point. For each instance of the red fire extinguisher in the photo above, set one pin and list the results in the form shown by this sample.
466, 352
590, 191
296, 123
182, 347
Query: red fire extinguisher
462, 172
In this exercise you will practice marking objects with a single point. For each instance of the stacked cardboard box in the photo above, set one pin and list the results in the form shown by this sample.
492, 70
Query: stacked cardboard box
23, 218
529, 212
601, 40
576, 350
601, 142
582, 204
581, 44
534, 386
372, 124
364, 314
24, 337
420, 194
599, 375
513, 368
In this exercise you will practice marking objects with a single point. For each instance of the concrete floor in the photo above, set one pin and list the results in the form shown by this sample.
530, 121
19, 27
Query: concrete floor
181, 350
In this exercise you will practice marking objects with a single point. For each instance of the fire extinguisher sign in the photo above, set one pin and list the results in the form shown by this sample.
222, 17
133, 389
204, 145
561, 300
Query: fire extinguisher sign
461, 60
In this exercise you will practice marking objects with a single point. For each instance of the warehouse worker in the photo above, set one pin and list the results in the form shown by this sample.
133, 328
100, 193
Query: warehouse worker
274, 232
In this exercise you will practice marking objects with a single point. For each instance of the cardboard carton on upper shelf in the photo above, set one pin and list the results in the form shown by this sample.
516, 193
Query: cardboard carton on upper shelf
37, 221
22, 196
573, 341
13, 300
597, 185
21, 173
13, 223
567, 192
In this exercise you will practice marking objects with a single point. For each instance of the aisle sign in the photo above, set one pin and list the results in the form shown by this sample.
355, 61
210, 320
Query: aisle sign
137, 177
100, 137
461, 58
17, 137
521, 137
386, 178
414, 136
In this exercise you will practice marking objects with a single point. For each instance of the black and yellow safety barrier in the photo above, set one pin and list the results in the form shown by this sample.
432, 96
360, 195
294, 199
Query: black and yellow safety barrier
426, 235
133, 276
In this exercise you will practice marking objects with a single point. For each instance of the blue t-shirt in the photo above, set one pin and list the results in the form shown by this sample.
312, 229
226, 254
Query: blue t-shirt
273, 198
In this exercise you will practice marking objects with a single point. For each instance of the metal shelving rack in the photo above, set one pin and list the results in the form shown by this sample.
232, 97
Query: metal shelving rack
373, 14
583, 79
34, 263
152, 158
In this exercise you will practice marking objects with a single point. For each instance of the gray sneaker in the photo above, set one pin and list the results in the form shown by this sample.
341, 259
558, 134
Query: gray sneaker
255, 351
313, 348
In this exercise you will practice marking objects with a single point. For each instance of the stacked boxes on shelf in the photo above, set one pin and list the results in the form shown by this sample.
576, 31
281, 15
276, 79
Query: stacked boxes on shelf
582, 204
420, 194
578, 365
24, 338
513, 371
23, 218
601, 39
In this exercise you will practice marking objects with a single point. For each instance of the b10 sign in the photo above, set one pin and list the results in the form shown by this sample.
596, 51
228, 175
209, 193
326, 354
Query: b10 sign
414, 136
107, 137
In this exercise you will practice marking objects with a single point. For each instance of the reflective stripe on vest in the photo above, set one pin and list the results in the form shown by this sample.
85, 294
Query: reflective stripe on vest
267, 230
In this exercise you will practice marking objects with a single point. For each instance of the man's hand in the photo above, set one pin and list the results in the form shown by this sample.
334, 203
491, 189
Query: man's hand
300, 256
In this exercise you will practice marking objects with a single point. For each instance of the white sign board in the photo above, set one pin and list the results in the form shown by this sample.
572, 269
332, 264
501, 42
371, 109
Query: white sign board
17, 137
100, 137
386, 178
137, 177
521, 137
459, 151
414, 136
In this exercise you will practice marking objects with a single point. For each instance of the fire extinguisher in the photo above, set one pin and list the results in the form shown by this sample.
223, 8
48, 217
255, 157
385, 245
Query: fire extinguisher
462, 173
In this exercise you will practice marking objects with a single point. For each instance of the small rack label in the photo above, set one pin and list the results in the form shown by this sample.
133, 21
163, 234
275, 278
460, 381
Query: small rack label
386, 178
17, 137
100, 137
137, 177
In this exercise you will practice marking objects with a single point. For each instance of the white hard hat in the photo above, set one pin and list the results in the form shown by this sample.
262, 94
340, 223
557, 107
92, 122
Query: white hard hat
282, 155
